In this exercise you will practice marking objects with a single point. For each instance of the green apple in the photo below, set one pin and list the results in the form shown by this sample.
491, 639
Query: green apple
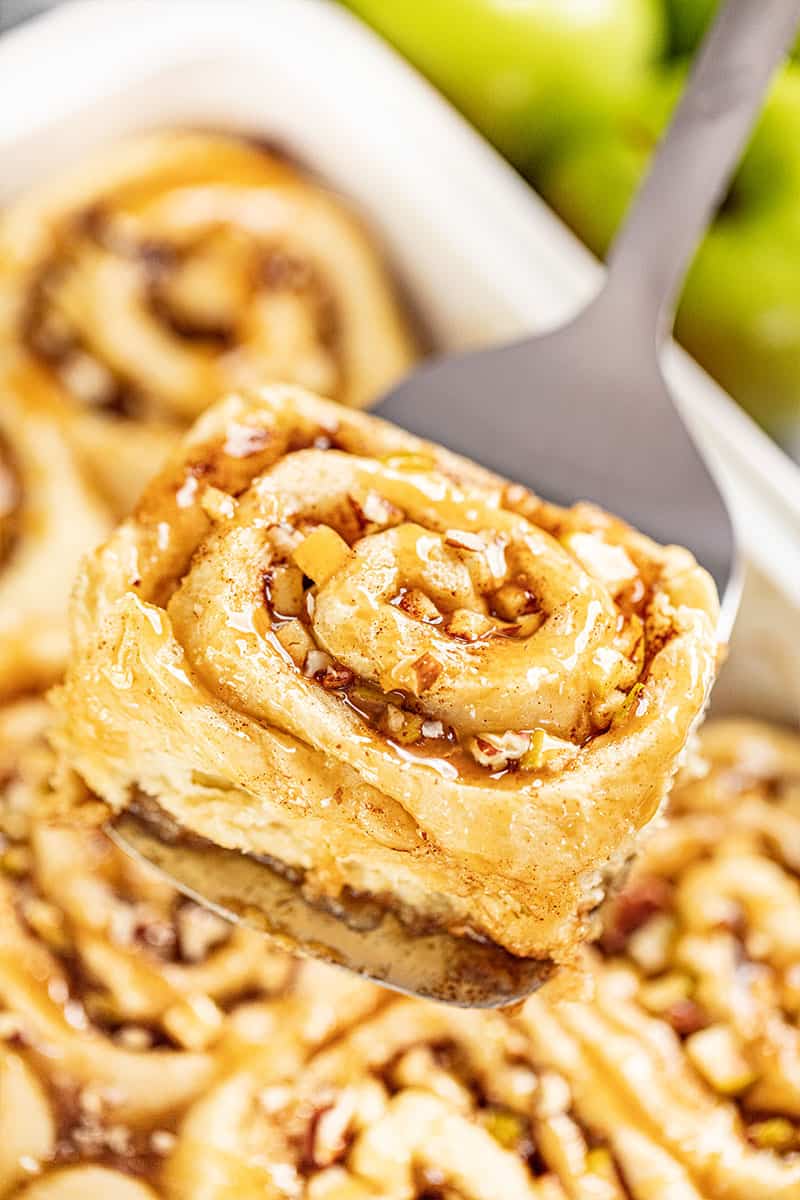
526, 72
688, 21
590, 181
740, 309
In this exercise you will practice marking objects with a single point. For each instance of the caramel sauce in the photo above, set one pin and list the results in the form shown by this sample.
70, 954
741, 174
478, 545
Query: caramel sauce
10, 500
445, 754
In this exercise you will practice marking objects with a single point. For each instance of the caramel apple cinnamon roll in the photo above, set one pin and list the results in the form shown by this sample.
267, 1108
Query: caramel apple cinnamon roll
417, 1101
120, 1001
48, 518
692, 1042
75, 1087
676, 1081
133, 292
322, 639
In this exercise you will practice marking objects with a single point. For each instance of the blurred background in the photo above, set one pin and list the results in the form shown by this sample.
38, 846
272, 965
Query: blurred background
575, 94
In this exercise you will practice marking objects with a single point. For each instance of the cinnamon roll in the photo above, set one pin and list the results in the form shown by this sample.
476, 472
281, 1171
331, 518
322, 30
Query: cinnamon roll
676, 1081
417, 1101
695, 1031
297, 1082
132, 293
120, 1002
322, 639
49, 517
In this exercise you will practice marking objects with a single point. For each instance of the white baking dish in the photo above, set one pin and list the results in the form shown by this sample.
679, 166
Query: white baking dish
480, 255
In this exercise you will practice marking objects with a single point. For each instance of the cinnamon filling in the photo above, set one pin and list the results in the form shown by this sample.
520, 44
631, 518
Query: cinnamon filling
222, 294
10, 500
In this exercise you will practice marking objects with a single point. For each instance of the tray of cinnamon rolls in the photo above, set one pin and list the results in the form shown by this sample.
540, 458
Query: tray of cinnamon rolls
238, 607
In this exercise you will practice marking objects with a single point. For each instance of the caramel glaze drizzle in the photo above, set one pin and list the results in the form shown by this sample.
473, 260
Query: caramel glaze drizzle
435, 743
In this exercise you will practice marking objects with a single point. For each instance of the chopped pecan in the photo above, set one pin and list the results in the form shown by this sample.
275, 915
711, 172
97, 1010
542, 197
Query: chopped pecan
686, 1017
373, 511
317, 663
497, 750
464, 539
640, 901
512, 601
336, 677
427, 670
419, 606
405, 727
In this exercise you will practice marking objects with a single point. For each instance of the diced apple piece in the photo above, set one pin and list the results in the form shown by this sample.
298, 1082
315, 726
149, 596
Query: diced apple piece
506, 1127
660, 995
599, 1161
321, 554
634, 705
510, 602
776, 1133
285, 590
606, 562
533, 757
716, 1054
649, 946
467, 626
296, 641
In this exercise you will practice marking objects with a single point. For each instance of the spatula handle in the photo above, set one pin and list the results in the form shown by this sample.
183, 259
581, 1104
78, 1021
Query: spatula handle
696, 158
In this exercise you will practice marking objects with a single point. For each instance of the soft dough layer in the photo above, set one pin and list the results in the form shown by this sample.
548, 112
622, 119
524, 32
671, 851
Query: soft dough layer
323, 639
133, 292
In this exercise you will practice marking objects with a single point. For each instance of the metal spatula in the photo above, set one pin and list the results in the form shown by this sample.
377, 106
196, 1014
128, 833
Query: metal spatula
580, 413
584, 412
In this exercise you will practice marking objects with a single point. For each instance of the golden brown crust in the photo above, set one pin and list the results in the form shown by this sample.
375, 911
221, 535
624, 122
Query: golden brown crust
495, 777
133, 292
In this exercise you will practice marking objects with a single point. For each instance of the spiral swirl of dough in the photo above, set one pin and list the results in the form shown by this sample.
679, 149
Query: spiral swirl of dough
692, 1038
48, 518
414, 1100
132, 293
471, 708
